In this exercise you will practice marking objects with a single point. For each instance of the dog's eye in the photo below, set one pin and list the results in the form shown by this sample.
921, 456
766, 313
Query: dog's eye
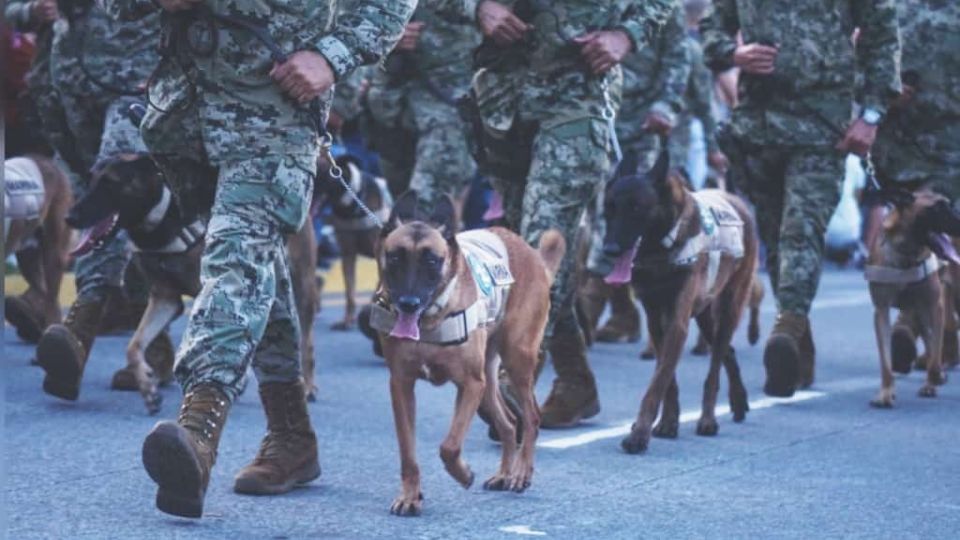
393, 259
432, 261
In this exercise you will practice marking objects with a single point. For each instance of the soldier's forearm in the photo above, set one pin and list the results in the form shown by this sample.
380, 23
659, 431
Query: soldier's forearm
719, 29
643, 20
366, 34
879, 51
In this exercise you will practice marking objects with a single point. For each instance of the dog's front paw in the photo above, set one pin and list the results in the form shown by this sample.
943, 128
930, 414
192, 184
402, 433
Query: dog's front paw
884, 399
739, 404
666, 429
707, 427
149, 391
636, 442
407, 506
928, 391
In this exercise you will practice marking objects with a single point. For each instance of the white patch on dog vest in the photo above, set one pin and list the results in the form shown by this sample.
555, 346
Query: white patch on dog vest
23, 191
721, 231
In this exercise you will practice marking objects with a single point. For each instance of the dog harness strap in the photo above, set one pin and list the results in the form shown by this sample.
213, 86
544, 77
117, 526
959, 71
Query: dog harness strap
721, 231
888, 274
156, 214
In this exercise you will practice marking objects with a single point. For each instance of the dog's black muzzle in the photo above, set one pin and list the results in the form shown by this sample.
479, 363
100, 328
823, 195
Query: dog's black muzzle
91, 209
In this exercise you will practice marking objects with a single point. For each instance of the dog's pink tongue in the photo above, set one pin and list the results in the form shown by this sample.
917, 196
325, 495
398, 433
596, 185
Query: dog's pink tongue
495, 210
90, 237
621, 269
406, 326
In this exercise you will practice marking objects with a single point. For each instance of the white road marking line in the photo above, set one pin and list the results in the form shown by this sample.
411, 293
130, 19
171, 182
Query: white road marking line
562, 443
522, 529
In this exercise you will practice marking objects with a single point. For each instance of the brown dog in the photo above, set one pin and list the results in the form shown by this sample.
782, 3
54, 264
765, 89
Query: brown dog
130, 192
903, 272
447, 311
37, 197
356, 232
691, 255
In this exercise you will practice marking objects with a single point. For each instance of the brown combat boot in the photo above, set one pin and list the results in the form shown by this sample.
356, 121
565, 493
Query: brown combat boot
623, 326
179, 455
25, 317
64, 348
782, 356
288, 453
808, 359
160, 357
574, 394
903, 343
591, 299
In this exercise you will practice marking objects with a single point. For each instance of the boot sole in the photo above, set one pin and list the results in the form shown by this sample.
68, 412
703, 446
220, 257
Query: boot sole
169, 459
589, 411
903, 350
782, 360
28, 329
57, 356
253, 486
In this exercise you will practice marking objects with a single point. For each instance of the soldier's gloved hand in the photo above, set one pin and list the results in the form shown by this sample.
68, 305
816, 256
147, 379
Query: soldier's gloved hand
604, 49
499, 23
411, 36
178, 5
658, 124
304, 76
859, 138
755, 58
44, 11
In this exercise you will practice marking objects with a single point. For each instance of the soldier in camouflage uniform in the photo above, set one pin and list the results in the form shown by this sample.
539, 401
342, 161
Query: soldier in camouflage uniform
231, 112
88, 62
919, 140
414, 99
544, 94
654, 80
790, 133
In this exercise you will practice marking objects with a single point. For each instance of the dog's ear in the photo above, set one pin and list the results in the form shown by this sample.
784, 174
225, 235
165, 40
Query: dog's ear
941, 218
404, 210
444, 218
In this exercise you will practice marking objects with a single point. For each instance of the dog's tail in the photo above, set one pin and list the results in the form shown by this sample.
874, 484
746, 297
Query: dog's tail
756, 297
552, 248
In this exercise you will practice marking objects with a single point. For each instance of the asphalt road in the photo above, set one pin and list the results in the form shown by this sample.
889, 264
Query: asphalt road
824, 464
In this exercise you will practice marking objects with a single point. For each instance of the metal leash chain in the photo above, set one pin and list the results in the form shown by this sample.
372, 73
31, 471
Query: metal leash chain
336, 172
866, 162
610, 116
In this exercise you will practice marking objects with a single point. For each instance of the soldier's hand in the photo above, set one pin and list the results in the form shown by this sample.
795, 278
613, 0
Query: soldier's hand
178, 5
755, 58
498, 22
718, 160
44, 11
907, 93
304, 76
604, 49
411, 36
657, 123
859, 138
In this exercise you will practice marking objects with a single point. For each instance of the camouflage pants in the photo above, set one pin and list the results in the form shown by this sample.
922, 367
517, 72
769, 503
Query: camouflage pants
795, 192
638, 157
443, 164
570, 163
86, 130
245, 312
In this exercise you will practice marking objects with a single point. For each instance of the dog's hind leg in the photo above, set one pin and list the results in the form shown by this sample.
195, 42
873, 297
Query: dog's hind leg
303, 256
931, 319
348, 264
669, 424
410, 500
881, 323
505, 426
521, 363
161, 310
469, 395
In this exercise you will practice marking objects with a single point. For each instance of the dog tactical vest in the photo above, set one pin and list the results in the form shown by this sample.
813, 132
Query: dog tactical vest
23, 191
721, 231
489, 264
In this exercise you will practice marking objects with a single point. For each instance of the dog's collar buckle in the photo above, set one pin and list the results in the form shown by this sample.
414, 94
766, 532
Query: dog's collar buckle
887, 274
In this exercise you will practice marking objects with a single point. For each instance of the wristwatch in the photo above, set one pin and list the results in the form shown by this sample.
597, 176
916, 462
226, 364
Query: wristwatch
871, 116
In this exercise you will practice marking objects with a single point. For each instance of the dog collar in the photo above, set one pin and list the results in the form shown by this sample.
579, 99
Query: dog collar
889, 274
441, 302
183, 241
159, 210
455, 328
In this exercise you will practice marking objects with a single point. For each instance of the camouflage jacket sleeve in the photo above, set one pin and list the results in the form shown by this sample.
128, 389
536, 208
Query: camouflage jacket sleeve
371, 29
878, 50
719, 30
700, 93
128, 10
17, 13
643, 19
675, 62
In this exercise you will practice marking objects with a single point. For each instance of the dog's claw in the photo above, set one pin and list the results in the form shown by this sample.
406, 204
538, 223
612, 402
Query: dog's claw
497, 482
928, 391
636, 442
707, 427
666, 429
405, 507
